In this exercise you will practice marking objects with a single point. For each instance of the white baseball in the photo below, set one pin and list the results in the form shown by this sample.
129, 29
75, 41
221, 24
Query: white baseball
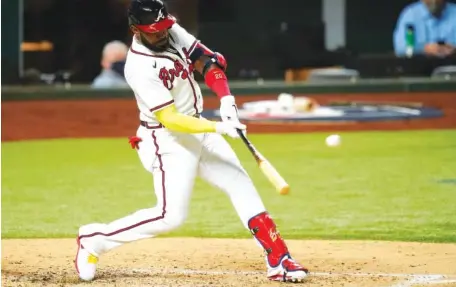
333, 140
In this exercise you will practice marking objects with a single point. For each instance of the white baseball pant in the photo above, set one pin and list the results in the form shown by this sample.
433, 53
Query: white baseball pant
175, 160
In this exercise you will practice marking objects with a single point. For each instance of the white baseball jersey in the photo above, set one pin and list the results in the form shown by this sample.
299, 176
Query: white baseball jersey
159, 79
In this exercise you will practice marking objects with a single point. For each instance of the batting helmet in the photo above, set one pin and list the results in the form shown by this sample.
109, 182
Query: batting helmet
149, 16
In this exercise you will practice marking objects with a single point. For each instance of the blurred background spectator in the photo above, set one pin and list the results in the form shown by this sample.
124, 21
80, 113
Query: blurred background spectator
261, 39
426, 27
112, 64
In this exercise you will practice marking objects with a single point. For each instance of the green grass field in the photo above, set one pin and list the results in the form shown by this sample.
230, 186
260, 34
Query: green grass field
377, 185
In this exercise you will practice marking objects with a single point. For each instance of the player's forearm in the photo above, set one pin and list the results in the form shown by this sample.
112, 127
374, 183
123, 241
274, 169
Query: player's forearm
212, 68
217, 81
188, 124
178, 122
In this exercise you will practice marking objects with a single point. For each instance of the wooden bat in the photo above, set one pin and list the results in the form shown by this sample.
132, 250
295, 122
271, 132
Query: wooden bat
266, 167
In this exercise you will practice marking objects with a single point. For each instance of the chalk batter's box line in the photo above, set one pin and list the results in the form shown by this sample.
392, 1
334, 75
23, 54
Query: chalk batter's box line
412, 279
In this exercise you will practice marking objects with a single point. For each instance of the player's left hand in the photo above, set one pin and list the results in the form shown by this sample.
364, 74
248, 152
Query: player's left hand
228, 109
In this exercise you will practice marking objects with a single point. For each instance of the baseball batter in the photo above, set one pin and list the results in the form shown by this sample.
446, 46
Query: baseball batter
176, 145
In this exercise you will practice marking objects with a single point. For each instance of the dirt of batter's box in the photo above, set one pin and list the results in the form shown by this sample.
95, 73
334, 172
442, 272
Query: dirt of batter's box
229, 262
22, 120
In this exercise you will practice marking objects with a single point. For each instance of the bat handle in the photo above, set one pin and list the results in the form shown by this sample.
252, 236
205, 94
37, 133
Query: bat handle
243, 137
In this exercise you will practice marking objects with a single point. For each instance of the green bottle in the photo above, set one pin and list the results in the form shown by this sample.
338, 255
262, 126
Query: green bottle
409, 40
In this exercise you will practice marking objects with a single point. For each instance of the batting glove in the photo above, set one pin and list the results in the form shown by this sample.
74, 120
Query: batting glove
228, 109
229, 128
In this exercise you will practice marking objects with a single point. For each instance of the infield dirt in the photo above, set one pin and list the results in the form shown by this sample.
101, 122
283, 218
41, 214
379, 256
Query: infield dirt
229, 262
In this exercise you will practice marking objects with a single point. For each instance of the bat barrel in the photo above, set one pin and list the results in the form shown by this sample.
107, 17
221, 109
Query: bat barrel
266, 168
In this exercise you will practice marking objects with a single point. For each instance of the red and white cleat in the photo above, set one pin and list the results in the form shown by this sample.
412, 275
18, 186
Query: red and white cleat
288, 271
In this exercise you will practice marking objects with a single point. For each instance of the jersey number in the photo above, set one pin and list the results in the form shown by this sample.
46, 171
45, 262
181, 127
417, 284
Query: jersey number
218, 76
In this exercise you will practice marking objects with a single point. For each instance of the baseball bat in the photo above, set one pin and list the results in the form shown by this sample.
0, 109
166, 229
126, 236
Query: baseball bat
266, 167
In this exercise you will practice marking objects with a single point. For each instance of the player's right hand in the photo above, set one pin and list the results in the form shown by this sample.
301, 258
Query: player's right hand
229, 128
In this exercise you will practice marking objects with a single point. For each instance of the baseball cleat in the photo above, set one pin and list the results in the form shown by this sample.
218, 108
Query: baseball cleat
85, 263
288, 271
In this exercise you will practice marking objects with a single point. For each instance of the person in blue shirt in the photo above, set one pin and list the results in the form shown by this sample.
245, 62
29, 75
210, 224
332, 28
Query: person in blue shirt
434, 22
112, 63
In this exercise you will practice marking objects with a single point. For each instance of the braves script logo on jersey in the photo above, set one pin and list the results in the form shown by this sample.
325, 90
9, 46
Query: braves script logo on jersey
168, 75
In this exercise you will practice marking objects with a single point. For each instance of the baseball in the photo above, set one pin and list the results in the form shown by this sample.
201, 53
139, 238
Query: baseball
333, 140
